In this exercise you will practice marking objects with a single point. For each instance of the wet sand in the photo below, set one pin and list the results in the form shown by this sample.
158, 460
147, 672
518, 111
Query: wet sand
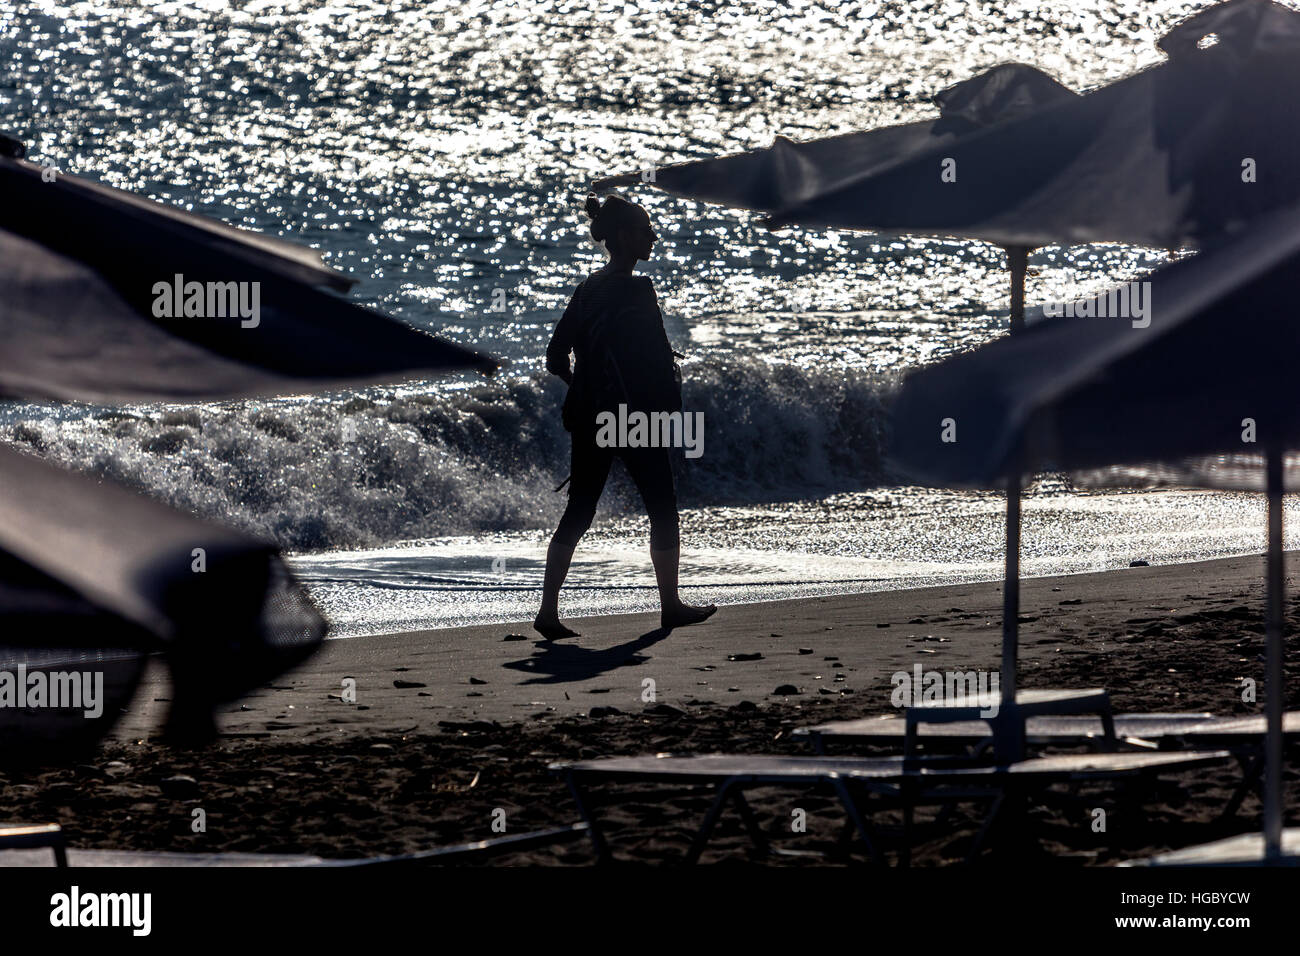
451, 725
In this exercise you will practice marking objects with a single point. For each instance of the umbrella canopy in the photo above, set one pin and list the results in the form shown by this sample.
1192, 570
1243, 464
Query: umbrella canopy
95, 285
1216, 346
85, 271
93, 576
1209, 369
1188, 149
788, 172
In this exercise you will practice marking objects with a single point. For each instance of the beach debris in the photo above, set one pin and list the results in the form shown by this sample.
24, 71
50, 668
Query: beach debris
1071, 601
514, 637
475, 680
382, 748
745, 657
474, 693
406, 684
664, 710
470, 726
603, 712
474, 783
744, 705
882, 625
805, 650
1139, 564
786, 690
180, 786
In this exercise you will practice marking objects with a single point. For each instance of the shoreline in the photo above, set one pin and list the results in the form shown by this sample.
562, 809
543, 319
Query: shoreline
506, 673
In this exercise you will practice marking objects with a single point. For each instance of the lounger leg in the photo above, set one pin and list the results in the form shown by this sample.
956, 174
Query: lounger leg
751, 823
1108, 729
851, 808
994, 812
1250, 768
588, 817
60, 854
715, 811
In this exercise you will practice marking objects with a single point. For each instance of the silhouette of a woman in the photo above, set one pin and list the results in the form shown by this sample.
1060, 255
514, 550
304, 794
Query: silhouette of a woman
615, 331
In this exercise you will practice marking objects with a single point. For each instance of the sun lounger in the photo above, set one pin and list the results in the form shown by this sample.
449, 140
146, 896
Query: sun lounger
902, 782
28, 846
1243, 736
1007, 720
34, 837
1247, 849
975, 734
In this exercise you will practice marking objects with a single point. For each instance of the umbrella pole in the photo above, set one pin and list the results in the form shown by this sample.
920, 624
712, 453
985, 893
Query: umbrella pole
1018, 263
1273, 672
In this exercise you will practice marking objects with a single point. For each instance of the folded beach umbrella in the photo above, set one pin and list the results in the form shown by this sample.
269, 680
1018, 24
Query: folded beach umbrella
1206, 370
108, 297
1185, 150
92, 577
787, 172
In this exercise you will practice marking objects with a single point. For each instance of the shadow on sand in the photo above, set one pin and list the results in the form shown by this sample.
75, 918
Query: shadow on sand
566, 663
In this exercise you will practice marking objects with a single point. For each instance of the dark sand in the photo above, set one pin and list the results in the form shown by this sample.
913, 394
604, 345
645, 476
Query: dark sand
451, 725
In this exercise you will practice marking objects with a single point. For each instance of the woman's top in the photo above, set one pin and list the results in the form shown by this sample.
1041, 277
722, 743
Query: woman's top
615, 330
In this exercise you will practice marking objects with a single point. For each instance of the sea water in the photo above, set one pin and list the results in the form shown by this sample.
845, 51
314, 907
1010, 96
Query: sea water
439, 150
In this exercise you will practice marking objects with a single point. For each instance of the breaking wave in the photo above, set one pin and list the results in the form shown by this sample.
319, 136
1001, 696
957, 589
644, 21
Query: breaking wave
382, 466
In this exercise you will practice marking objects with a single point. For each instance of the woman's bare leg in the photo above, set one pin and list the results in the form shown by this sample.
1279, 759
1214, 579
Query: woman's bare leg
675, 612
558, 558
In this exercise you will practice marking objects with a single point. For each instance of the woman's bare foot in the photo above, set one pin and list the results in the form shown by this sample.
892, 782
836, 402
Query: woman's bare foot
551, 628
685, 615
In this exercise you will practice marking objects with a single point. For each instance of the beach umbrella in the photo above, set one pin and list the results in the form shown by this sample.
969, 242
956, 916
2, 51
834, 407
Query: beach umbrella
93, 577
1175, 155
1188, 149
96, 287
1206, 370
112, 298
788, 172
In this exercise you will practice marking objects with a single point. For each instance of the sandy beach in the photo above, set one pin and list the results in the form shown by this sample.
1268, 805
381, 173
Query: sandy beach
450, 725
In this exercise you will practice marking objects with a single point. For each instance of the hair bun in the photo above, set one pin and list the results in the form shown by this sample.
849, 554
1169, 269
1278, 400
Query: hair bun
593, 206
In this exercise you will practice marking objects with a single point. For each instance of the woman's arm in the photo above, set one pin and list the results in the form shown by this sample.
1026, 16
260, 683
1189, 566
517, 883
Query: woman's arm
561, 344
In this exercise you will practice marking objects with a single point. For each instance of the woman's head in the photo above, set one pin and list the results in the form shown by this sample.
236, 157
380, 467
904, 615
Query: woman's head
623, 227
